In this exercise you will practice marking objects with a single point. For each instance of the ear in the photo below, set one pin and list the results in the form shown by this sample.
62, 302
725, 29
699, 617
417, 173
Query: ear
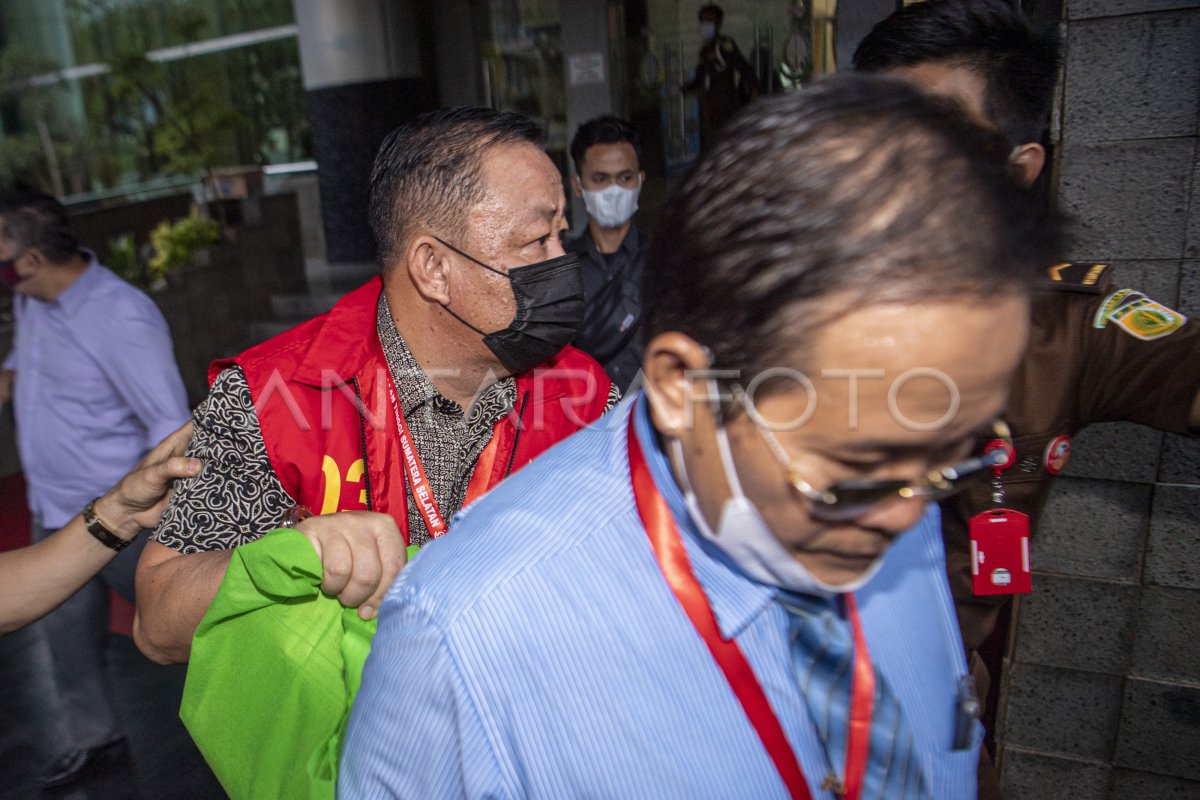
424, 260
1027, 160
672, 384
576, 186
34, 257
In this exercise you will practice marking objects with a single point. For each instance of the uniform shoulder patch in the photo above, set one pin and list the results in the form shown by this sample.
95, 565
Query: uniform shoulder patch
1138, 315
1076, 276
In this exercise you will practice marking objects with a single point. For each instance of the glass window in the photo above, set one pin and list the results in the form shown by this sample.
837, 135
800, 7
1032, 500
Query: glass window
118, 102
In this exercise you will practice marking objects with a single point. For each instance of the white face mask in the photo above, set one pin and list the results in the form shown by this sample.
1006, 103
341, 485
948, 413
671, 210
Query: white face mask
743, 535
612, 206
707, 31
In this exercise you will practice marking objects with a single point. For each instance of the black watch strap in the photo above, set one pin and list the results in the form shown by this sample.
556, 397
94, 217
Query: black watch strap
96, 528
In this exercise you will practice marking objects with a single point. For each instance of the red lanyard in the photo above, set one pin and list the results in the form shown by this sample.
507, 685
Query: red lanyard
673, 561
414, 471
422, 490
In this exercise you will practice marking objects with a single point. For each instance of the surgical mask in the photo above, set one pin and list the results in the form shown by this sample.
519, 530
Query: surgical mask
550, 306
612, 206
744, 536
707, 31
8, 271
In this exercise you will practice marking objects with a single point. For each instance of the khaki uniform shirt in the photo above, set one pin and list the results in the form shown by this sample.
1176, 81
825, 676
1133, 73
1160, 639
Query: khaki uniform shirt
1096, 354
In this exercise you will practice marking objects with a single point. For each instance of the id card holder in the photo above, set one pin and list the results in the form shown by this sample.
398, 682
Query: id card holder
1000, 552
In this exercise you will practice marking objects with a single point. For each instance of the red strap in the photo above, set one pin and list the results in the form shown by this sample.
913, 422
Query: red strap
676, 568
414, 471
673, 560
862, 701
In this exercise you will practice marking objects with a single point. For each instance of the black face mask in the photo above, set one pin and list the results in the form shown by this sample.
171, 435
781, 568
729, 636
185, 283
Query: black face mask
549, 301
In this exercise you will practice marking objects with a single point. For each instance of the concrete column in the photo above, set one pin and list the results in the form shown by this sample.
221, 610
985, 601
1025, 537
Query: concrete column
363, 76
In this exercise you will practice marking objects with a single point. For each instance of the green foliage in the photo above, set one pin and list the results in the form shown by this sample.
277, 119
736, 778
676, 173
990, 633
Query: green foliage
142, 120
189, 120
22, 162
174, 243
20, 67
123, 258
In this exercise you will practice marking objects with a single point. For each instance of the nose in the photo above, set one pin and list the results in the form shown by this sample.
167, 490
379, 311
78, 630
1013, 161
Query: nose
895, 516
554, 247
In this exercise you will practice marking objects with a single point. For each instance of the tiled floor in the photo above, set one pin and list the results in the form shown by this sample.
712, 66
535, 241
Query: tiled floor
160, 762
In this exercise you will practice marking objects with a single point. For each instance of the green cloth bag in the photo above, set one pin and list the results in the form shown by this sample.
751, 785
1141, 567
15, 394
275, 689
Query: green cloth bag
275, 666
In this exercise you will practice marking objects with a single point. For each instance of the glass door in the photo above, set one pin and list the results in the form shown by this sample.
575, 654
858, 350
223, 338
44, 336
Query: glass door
521, 65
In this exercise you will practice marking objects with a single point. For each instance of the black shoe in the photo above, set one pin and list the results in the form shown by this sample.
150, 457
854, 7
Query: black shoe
76, 763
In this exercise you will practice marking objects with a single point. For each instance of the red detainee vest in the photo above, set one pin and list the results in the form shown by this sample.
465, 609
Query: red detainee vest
320, 393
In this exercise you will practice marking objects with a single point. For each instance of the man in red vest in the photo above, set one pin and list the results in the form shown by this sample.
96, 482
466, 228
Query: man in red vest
416, 393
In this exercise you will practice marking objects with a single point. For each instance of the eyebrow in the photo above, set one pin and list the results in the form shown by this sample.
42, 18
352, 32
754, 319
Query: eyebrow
535, 215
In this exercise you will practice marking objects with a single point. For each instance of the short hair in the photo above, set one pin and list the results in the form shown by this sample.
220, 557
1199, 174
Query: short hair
859, 190
711, 8
604, 130
427, 173
39, 221
1018, 63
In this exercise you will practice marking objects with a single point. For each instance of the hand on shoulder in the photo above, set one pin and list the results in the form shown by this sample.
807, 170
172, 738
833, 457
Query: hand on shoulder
138, 500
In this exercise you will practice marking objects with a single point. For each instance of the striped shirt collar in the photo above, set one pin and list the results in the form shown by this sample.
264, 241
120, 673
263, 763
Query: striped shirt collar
736, 600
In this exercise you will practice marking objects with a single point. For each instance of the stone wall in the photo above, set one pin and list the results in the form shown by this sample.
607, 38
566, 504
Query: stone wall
1101, 696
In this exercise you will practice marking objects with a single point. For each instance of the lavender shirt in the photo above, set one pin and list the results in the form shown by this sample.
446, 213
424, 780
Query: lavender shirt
96, 387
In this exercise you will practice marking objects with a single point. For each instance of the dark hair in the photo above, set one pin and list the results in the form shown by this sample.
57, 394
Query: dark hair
714, 9
858, 190
1018, 64
39, 221
604, 130
427, 172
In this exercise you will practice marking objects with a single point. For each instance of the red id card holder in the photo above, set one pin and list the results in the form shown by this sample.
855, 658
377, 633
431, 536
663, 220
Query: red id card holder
1000, 552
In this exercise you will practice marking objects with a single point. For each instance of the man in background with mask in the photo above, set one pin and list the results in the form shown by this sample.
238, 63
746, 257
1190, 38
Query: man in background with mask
96, 387
723, 78
734, 585
607, 154
418, 392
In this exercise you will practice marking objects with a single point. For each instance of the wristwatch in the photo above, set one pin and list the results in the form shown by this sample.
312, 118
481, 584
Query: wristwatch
96, 528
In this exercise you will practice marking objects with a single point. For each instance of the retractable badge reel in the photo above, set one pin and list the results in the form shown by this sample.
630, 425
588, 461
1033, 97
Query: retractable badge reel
1000, 539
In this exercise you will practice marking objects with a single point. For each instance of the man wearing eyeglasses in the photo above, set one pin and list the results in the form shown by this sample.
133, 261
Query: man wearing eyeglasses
734, 585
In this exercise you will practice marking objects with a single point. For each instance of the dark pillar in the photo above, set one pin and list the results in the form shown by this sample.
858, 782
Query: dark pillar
363, 76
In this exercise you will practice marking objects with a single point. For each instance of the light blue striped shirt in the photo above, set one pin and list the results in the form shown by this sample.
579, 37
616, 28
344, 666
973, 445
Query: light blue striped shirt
538, 652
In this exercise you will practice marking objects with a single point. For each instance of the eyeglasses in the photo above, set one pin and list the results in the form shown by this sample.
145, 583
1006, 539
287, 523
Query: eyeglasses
851, 498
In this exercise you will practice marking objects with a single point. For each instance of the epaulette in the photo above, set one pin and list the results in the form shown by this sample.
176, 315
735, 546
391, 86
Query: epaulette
1076, 276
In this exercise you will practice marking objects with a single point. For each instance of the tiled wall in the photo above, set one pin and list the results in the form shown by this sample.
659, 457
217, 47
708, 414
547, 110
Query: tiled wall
1102, 694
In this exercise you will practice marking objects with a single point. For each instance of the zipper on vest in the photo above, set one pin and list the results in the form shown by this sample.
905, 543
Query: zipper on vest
517, 436
362, 441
